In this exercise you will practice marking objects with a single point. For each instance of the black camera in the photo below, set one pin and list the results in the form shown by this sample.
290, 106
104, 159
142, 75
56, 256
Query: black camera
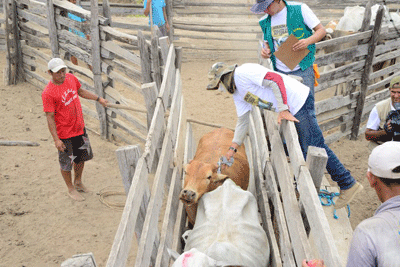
394, 117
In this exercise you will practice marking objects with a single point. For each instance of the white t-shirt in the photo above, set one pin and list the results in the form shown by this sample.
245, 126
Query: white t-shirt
280, 33
374, 121
249, 77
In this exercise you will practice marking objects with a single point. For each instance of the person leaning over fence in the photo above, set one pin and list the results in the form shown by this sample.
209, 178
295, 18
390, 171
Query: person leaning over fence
252, 84
66, 125
159, 14
384, 120
283, 19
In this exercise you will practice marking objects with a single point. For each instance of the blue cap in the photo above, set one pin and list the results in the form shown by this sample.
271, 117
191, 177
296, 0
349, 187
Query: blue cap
261, 6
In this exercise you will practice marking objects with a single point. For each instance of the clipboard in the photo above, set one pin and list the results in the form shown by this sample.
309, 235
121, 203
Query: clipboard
286, 54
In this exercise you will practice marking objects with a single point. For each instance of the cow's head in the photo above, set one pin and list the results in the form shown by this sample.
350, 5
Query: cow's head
199, 177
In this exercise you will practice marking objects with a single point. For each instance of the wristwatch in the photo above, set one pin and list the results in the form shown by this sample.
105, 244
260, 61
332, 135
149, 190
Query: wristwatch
232, 148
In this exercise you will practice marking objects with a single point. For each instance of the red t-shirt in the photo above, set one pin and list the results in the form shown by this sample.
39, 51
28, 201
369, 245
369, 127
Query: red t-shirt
64, 101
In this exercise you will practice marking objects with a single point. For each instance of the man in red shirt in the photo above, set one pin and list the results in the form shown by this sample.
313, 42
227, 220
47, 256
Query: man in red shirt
67, 127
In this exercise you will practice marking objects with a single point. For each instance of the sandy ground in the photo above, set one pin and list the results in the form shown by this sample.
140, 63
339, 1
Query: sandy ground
41, 226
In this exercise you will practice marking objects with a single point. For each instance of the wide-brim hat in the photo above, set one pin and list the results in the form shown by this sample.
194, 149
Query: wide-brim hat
56, 64
384, 161
215, 73
261, 6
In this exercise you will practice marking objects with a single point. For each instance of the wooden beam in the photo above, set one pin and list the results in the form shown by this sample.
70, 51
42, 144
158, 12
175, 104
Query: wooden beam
367, 69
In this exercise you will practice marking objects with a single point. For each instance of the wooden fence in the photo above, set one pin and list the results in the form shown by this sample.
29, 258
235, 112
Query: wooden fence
296, 228
120, 62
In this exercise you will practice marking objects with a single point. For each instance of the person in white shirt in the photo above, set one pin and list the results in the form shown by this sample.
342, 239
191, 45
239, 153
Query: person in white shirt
283, 18
252, 84
380, 125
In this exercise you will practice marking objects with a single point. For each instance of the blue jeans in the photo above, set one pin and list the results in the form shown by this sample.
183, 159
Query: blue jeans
311, 135
308, 76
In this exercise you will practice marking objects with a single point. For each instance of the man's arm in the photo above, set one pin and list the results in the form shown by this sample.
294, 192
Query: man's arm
378, 135
51, 123
165, 18
89, 95
147, 9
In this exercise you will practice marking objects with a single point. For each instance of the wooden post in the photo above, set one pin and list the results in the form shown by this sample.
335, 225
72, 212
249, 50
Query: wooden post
150, 93
316, 163
169, 11
52, 29
8, 68
367, 16
17, 54
96, 64
178, 57
107, 10
365, 75
155, 58
145, 62
128, 157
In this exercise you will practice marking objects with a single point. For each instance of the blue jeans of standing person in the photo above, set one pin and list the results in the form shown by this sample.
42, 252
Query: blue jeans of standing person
311, 135
308, 76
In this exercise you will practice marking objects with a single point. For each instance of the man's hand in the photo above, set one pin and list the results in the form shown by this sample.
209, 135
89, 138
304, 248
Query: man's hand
265, 51
388, 127
313, 263
60, 145
103, 102
286, 115
300, 45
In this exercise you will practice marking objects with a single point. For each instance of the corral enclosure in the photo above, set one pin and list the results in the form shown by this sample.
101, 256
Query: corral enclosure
124, 64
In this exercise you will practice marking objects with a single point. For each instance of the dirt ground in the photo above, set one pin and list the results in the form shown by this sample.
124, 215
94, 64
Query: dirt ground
41, 226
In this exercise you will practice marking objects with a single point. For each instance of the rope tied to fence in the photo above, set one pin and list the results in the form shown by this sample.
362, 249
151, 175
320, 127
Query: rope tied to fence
326, 199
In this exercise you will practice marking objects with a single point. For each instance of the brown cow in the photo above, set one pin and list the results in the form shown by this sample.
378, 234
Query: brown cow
201, 173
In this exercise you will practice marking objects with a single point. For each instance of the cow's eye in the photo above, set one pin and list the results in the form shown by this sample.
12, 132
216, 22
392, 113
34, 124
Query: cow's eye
209, 177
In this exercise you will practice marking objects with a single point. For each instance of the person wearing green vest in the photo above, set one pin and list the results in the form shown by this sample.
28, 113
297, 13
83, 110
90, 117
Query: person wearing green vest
384, 119
283, 18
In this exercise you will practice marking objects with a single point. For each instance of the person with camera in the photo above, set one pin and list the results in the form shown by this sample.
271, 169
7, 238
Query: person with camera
384, 120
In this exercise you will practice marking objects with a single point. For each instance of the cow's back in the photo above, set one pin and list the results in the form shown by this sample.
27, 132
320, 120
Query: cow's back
213, 145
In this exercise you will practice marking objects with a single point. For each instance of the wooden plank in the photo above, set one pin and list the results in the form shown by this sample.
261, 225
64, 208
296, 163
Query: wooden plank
120, 36
301, 246
40, 20
36, 7
169, 219
123, 53
334, 103
288, 130
263, 203
128, 157
168, 77
150, 230
17, 143
34, 29
126, 69
280, 223
259, 128
317, 219
342, 55
156, 131
316, 164
123, 238
126, 128
120, 78
34, 41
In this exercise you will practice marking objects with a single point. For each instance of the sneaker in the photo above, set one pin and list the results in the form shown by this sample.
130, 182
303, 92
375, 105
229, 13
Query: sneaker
347, 195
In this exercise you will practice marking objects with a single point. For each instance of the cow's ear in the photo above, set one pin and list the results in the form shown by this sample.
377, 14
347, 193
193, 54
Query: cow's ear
220, 177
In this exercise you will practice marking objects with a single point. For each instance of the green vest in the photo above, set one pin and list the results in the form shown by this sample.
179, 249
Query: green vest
295, 24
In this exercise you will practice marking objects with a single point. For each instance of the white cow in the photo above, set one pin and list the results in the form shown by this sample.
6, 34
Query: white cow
227, 230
